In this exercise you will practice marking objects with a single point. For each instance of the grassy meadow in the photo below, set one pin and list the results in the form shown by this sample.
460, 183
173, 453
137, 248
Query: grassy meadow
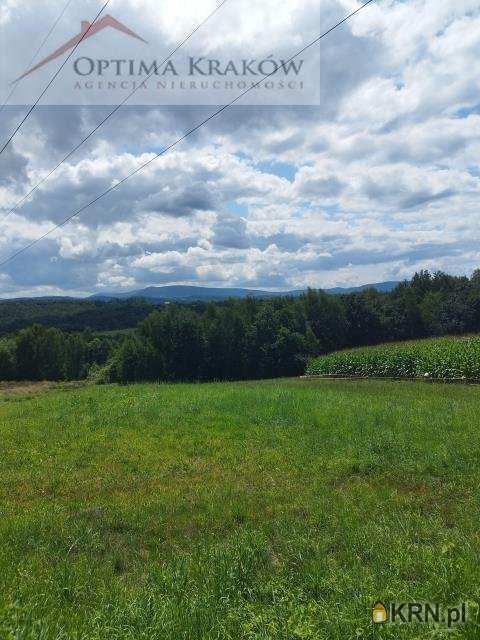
268, 511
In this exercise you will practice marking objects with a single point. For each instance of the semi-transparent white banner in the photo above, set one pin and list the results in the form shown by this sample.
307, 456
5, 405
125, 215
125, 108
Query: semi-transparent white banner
128, 49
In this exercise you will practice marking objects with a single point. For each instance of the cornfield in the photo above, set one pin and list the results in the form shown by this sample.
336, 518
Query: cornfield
441, 358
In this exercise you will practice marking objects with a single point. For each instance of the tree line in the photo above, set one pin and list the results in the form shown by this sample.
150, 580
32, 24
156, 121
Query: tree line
47, 353
246, 338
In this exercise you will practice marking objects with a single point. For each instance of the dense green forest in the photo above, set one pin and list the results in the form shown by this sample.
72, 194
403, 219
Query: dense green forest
46, 353
240, 338
70, 314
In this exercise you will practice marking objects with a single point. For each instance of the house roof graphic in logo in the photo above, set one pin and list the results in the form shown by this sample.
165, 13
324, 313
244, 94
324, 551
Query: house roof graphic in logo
379, 613
107, 21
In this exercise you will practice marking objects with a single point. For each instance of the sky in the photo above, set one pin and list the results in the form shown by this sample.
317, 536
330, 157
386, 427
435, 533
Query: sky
378, 180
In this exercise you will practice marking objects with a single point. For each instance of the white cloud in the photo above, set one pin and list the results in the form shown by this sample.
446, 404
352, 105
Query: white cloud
380, 180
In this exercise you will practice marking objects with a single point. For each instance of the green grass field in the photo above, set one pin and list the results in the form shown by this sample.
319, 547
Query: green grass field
277, 510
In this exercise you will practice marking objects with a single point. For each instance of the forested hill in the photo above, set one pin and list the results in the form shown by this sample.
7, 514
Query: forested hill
72, 315
113, 312
191, 294
227, 340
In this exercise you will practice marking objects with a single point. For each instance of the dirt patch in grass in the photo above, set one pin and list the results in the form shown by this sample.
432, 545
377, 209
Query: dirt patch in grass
28, 388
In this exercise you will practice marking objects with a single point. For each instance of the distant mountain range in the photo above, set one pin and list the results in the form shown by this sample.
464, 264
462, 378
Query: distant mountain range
190, 294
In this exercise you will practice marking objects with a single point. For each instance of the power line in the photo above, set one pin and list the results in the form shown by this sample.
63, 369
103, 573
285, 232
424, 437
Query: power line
179, 140
119, 106
34, 57
54, 77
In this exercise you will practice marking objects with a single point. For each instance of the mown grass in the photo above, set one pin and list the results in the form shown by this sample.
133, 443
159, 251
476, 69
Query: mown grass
277, 510
447, 358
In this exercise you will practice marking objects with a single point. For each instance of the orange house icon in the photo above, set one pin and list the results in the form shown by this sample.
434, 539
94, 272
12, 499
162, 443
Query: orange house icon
379, 613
